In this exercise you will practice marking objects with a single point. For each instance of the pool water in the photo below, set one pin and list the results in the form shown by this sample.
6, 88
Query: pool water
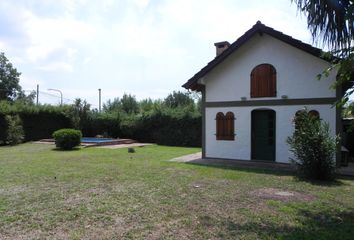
96, 140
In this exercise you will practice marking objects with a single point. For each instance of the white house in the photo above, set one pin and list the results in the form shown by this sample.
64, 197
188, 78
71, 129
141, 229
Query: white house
252, 90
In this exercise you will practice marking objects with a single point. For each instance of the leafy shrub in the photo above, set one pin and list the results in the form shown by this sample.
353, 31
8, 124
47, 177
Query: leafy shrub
168, 127
38, 122
67, 138
14, 132
3, 128
313, 148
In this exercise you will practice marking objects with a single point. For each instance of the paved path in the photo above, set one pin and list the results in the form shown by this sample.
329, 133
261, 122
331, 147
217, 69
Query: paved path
347, 171
187, 158
196, 158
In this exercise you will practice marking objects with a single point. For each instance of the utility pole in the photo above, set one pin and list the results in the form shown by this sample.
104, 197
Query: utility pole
37, 93
99, 99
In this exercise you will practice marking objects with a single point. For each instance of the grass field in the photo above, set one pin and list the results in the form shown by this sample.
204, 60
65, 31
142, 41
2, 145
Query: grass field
96, 193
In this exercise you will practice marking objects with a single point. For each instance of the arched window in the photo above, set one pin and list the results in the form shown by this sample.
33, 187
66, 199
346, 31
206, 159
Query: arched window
302, 113
263, 81
298, 118
220, 125
225, 126
314, 114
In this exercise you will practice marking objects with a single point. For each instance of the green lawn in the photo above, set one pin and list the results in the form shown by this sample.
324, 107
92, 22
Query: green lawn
97, 193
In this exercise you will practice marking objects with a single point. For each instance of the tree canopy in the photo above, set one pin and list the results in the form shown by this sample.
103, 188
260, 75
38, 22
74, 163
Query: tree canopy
178, 99
331, 22
9, 79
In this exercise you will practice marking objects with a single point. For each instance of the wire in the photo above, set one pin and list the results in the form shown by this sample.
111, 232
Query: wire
65, 100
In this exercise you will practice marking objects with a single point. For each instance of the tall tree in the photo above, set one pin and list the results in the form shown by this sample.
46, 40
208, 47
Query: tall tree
331, 22
81, 112
9, 79
129, 104
112, 106
178, 99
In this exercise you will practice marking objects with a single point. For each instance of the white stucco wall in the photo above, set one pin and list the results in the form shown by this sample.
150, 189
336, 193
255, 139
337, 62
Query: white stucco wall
240, 148
296, 72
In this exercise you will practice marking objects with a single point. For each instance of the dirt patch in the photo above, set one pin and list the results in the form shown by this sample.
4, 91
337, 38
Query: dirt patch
13, 190
282, 195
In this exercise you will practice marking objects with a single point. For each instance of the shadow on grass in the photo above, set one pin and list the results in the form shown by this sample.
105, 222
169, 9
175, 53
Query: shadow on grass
334, 183
309, 225
269, 170
66, 150
247, 169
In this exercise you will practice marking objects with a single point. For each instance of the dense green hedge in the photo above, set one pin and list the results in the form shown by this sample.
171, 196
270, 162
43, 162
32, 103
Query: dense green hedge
165, 128
176, 127
41, 124
38, 121
102, 124
3, 128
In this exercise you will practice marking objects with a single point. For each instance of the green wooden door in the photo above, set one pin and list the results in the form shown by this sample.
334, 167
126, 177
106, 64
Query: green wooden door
263, 135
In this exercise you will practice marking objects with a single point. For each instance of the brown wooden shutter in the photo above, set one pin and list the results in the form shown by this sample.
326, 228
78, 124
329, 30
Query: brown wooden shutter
263, 81
230, 129
219, 125
225, 129
314, 114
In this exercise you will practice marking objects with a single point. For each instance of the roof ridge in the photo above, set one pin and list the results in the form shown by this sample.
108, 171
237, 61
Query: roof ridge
258, 27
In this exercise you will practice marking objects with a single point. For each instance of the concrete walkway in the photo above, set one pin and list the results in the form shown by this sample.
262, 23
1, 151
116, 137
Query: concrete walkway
347, 171
187, 158
196, 158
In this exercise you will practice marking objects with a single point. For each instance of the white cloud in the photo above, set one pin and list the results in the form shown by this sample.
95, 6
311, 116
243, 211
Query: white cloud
2, 45
142, 4
71, 53
147, 48
86, 60
47, 35
56, 67
29, 83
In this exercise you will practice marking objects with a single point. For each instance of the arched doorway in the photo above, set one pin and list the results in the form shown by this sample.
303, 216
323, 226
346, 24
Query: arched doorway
263, 135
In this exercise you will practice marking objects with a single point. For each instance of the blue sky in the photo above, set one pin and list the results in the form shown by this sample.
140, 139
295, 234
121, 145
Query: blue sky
144, 47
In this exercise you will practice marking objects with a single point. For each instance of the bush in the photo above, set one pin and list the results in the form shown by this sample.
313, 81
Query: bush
167, 127
67, 138
15, 134
3, 128
99, 124
38, 122
313, 148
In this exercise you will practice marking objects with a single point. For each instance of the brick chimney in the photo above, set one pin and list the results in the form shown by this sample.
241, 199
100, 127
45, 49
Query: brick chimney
221, 46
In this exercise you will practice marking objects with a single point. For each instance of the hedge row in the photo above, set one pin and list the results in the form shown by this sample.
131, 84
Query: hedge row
37, 122
3, 128
37, 126
165, 128
162, 127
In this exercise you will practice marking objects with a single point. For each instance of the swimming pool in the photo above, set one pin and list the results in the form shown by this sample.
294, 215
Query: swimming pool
97, 140
93, 141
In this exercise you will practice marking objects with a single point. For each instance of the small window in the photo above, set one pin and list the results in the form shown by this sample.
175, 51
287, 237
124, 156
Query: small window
299, 118
225, 126
263, 81
300, 114
314, 114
